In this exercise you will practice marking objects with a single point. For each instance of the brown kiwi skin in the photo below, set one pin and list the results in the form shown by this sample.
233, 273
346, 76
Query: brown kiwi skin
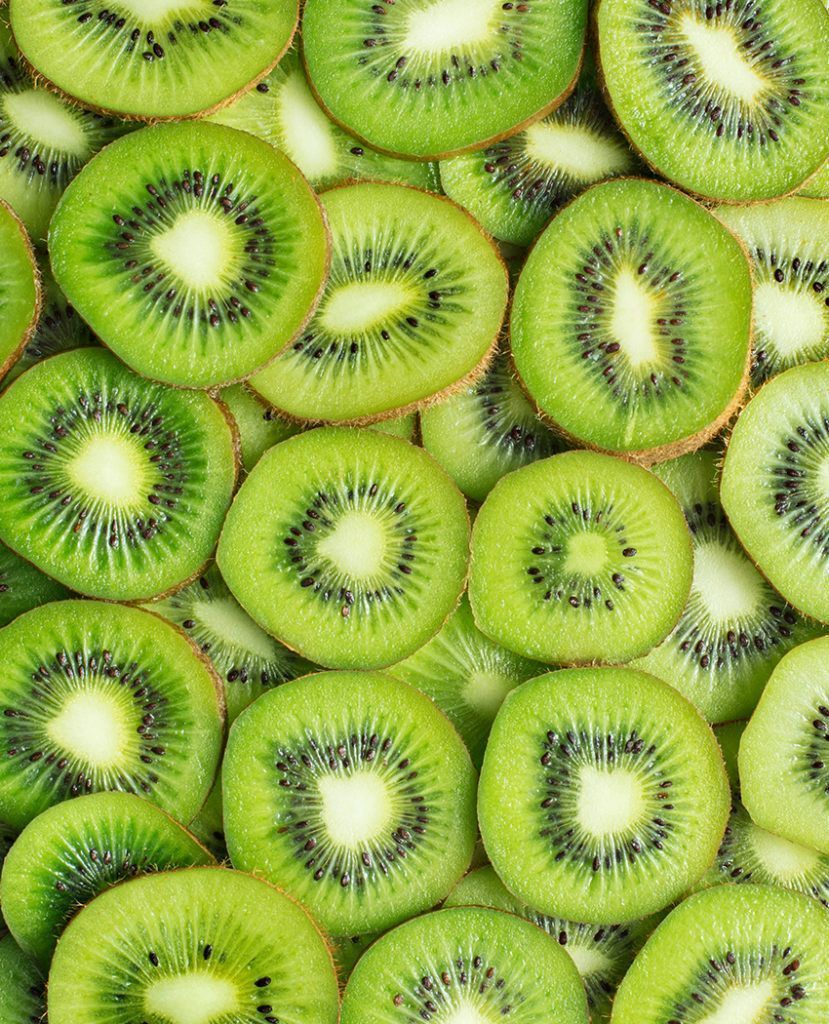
13, 356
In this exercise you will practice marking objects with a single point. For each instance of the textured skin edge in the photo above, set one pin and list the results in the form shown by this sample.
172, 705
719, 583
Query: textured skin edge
17, 352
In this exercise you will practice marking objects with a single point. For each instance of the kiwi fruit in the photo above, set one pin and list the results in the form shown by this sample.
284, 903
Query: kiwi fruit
603, 795
728, 736
260, 427
353, 793
358, 542
817, 186
99, 696
208, 826
22, 985
404, 426
114, 485
413, 306
347, 951
194, 251
20, 291
731, 101
631, 321
23, 587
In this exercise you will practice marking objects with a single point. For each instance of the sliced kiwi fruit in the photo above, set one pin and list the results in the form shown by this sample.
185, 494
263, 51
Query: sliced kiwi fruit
353, 793
404, 426
194, 251
22, 985
413, 305
23, 587
208, 825
99, 696
114, 485
603, 795
347, 951
732, 955
20, 291
580, 557
631, 323
359, 542
817, 186
728, 101
728, 736
775, 485
260, 426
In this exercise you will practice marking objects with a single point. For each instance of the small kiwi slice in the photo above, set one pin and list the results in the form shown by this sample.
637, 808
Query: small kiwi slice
22, 985
347, 951
732, 955
75, 850
99, 696
775, 485
208, 826
260, 426
114, 485
631, 323
728, 101
194, 251
413, 305
20, 292
404, 426
23, 587
603, 794
728, 736
359, 542
354, 793
579, 558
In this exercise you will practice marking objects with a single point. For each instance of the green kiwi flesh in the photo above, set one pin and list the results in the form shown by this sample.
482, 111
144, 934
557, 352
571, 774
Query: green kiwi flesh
208, 826
728, 736
817, 186
23, 587
19, 287
22, 985
260, 427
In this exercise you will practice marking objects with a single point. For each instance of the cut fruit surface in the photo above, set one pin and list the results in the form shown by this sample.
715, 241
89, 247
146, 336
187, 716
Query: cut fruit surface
23, 587
260, 427
22, 985
19, 288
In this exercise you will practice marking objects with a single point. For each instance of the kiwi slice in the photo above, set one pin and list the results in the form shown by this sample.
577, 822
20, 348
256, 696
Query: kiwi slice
99, 696
413, 305
347, 951
631, 322
20, 292
194, 251
775, 485
728, 736
114, 485
208, 826
354, 793
404, 426
728, 101
578, 558
22, 985
732, 955
23, 587
817, 186
603, 794
359, 542
260, 426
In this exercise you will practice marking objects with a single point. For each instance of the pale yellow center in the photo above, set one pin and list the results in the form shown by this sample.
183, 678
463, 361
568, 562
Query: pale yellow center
360, 305
633, 318
792, 321
743, 1004
356, 808
610, 800
90, 726
194, 998
356, 545
445, 25
723, 64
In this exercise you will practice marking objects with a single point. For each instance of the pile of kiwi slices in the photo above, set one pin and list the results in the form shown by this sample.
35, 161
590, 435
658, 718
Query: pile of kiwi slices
414, 511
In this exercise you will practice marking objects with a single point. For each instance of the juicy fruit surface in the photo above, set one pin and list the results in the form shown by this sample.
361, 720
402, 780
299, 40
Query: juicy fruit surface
23, 587
19, 287
260, 427
22, 985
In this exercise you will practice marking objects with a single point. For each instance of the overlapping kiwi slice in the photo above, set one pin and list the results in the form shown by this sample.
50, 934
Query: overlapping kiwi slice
817, 186
113, 485
728, 736
631, 322
23, 587
20, 293
260, 426
354, 793
99, 696
22, 985
208, 826
730, 101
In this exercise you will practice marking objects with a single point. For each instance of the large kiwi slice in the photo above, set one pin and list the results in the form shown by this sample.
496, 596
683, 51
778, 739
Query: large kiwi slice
360, 544
775, 485
99, 696
74, 851
260, 426
194, 251
114, 485
578, 558
22, 985
192, 946
354, 793
23, 587
631, 322
603, 794
413, 305
730, 101
20, 293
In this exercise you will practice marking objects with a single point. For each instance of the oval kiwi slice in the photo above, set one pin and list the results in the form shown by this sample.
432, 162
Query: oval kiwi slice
603, 794
74, 851
360, 544
22, 985
114, 485
99, 696
631, 321
578, 558
19, 287
355, 794
260, 427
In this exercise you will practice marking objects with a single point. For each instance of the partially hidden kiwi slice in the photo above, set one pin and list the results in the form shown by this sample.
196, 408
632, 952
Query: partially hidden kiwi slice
260, 426
354, 793
192, 946
631, 323
728, 101
360, 543
728, 736
22, 985
208, 826
75, 850
404, 426
413, 305
194, 251
20, 292
99, 696
114, 485
603, 794
23, 587
817, 186
579, 558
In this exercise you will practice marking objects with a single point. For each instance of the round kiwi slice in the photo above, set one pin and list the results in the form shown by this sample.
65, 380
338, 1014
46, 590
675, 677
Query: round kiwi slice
153, 61
603, 794
732, 955
20, 292
192, 946
260, 427
194, 251
23, 587
579, 558
728, 736
114, 485
413, 305
631, 323
99, 696
775, 485
22, 985
354, 793
728, 101
359, 544
74, 851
